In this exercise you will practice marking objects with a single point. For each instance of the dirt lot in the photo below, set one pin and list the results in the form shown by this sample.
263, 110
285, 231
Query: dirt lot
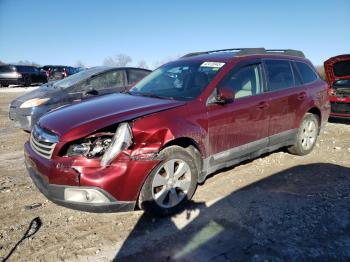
275, 208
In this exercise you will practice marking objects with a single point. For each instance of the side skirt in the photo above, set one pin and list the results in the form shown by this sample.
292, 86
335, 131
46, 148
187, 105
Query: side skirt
247, 151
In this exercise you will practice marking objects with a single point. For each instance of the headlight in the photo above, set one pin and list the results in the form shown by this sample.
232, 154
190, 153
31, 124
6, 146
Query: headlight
34, 102
90, 147
106, 145
122, 139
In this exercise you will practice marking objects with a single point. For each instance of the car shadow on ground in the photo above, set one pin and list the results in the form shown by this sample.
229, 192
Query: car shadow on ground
299, 214
339, 121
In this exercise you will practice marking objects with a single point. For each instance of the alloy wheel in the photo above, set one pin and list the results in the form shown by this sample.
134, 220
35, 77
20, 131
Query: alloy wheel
308, 135
171, 183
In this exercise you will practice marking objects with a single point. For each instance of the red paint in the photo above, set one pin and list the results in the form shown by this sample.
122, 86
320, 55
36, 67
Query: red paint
331, 78
156, 122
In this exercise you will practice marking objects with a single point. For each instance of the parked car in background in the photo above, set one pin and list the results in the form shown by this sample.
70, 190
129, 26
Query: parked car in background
58, 72
148, 148
337, 70
21, 75
28, 108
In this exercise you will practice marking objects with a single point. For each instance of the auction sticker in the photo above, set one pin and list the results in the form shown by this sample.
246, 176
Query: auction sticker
213, 64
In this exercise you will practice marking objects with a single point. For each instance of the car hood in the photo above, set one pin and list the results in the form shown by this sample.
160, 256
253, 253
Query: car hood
78, 120
337, 68
45, 90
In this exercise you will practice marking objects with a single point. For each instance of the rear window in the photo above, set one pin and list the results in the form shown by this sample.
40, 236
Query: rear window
308, 75
4, 69
279, 74
342, 68
58, 69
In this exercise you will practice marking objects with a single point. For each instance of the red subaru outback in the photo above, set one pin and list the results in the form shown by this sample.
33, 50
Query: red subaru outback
150, 147
337, 70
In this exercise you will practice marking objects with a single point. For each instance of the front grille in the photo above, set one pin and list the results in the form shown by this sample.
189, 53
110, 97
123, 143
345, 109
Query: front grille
340, 107
42, 142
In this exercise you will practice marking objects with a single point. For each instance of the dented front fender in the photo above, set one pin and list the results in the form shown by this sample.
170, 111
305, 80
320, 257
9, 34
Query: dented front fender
151, 133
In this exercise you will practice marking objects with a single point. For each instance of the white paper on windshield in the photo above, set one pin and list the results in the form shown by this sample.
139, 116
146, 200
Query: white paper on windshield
213, 64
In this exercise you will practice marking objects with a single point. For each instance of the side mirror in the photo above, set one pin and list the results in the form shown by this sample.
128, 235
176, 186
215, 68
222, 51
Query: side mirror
90, 92
225, 95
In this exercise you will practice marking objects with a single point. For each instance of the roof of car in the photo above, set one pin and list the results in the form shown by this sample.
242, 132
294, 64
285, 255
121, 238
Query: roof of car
226, 55
116, 67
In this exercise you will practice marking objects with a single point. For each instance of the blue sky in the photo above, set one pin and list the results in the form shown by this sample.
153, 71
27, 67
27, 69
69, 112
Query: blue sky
62, 32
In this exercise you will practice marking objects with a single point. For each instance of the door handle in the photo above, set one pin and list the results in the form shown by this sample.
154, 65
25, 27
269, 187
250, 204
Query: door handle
262, 105
301, 96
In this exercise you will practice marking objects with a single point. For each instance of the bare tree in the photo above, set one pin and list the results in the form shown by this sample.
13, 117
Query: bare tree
119, 60
79, 63
26, 62
142, 64
108, 61
320, 70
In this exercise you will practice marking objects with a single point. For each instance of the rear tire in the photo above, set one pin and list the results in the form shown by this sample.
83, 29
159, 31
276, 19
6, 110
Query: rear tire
306, 136
171, 184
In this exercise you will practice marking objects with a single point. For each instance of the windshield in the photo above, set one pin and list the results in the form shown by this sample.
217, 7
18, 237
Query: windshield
180, 81
342, 83
78, 77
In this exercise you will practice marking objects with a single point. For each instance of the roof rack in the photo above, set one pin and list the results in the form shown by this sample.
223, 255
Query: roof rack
251, 51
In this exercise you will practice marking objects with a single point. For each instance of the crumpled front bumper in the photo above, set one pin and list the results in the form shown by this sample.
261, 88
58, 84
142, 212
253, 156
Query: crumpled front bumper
56, 193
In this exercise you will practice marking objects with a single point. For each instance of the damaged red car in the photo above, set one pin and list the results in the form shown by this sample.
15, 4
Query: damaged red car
337, 70
149, 147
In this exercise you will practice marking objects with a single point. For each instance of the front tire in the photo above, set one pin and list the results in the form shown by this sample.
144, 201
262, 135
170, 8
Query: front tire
171, 184
306, 136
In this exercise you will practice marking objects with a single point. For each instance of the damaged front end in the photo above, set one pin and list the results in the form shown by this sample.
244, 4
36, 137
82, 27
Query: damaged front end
97, 173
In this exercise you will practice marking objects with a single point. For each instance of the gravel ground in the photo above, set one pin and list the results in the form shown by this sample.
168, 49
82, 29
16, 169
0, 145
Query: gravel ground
275, 208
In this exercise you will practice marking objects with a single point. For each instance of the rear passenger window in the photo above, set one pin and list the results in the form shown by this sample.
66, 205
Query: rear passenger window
306, 72
245, 81
279, 74
136, 75
297, 77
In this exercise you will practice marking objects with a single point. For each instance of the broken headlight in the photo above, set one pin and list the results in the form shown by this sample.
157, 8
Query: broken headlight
90, 147
122, 139
105, 145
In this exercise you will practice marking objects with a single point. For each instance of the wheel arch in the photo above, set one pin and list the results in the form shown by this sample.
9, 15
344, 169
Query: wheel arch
191, 146
316, 111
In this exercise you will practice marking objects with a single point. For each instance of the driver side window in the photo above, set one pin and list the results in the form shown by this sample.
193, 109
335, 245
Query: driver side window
245, 81
113, 79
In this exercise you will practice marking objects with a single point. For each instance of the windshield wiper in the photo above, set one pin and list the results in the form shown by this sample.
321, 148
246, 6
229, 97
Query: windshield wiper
155, 96
150, 95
